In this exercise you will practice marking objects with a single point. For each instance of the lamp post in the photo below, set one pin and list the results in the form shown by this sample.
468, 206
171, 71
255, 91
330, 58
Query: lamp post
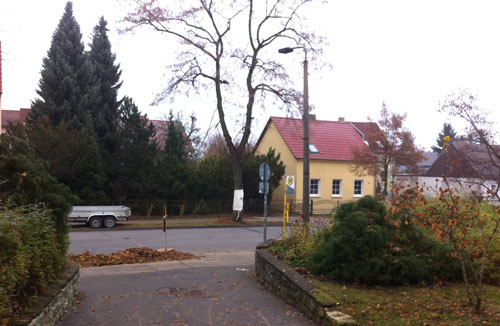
305, 118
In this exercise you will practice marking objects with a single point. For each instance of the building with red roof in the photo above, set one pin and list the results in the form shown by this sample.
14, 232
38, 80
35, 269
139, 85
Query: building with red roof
12, 116
332, 150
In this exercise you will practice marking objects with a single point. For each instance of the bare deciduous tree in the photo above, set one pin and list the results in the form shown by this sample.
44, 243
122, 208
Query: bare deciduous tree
226, 47
478, 148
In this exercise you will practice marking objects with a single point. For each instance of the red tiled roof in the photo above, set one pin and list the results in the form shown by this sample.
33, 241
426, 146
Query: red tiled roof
161, 127
367, 128
11, 116
334, 140
466, 160
23, 114
14, 116
372, 134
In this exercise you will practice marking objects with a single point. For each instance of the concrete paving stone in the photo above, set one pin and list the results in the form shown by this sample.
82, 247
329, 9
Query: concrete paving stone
219, 289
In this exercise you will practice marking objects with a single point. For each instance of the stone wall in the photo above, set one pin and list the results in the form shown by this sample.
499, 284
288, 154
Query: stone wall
295, 289
52, 304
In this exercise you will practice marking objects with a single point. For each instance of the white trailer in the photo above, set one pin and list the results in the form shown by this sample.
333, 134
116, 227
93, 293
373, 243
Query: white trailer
97, 216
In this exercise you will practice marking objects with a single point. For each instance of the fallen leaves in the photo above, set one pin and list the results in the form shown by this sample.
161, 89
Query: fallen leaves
228, 221
129, 256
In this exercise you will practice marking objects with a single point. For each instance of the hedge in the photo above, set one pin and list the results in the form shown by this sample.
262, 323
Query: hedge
30, 255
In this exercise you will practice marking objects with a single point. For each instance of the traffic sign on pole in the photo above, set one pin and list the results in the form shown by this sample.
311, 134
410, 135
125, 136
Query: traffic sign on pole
264, 171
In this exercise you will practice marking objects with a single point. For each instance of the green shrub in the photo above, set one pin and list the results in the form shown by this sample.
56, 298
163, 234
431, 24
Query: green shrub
368, 246
30, 255
492, 267
298, 246
25, 180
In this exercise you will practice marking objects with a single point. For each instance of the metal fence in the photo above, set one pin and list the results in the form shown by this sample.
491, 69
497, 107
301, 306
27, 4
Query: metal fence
223, 207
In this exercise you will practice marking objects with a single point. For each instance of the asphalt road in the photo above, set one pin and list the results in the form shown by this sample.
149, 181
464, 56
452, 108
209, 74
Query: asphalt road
190, 240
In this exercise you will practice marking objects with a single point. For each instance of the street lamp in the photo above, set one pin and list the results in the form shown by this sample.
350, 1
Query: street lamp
305, 118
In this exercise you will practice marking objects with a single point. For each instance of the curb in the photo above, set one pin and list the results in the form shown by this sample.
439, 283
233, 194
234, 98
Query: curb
52, 305
178, 227
295, 289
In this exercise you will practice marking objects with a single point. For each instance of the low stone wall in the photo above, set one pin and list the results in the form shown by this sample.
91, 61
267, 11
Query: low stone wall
295, 289
52, 304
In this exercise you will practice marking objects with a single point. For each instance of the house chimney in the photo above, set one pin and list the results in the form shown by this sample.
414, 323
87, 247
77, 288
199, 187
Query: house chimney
341, 119
312, 116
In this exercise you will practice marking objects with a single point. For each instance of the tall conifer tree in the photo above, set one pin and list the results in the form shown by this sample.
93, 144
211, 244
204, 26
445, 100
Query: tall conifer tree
72, 155
173, 175
68, 95
133, 162
107, 74
446, 131
67, 88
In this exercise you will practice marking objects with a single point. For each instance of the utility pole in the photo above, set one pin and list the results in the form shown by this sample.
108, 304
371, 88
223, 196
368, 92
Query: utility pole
305, 118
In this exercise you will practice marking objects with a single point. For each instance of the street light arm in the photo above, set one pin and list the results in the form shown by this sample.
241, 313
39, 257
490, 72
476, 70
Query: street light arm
290, 49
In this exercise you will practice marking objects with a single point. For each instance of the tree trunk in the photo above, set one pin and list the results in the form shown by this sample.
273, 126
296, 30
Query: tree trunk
386, 180
477, 306
237, 164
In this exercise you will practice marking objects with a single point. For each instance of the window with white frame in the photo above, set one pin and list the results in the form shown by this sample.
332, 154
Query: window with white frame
337, 188
313, 149
358, 188
315, 187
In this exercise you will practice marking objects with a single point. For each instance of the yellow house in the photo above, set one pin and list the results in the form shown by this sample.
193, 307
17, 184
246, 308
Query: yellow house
332, 144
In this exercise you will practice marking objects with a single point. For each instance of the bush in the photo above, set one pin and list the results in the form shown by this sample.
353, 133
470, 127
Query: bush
30, 255
368, 246
298, 246
25, 180
492, 267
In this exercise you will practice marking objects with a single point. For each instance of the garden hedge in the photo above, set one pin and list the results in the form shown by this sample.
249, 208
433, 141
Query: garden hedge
30, 255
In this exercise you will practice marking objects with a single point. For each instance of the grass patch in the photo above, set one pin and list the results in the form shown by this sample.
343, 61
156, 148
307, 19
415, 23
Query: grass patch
174, 224
398, 306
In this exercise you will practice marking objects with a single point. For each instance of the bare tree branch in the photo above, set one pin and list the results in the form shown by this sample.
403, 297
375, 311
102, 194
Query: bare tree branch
206, 29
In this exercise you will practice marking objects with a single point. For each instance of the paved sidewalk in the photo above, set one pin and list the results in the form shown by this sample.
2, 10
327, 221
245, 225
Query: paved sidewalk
219, 289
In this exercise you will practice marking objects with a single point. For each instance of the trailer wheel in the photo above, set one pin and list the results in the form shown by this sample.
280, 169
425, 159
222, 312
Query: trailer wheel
110, 222
95, 222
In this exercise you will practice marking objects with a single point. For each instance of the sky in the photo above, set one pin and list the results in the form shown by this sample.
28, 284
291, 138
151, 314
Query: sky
408, 54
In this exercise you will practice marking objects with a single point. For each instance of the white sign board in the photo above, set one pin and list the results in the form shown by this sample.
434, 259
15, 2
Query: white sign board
290, 184
238, 200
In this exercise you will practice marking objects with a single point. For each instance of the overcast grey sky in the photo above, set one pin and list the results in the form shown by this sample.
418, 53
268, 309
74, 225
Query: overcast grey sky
410, 54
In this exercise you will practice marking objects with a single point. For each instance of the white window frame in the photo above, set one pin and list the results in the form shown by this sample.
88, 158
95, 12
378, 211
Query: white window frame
493, 187
313, 149
362, 188
319, 188
340, 188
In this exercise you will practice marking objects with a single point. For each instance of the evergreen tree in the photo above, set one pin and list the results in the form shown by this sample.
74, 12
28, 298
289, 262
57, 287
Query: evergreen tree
174, 179
175, 143
67, 88
215, 184
134, 160
446, 131
107, 74
72, 155
25, 179
251, 163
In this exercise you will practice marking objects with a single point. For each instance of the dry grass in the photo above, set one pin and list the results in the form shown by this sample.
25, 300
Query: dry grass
398, 306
